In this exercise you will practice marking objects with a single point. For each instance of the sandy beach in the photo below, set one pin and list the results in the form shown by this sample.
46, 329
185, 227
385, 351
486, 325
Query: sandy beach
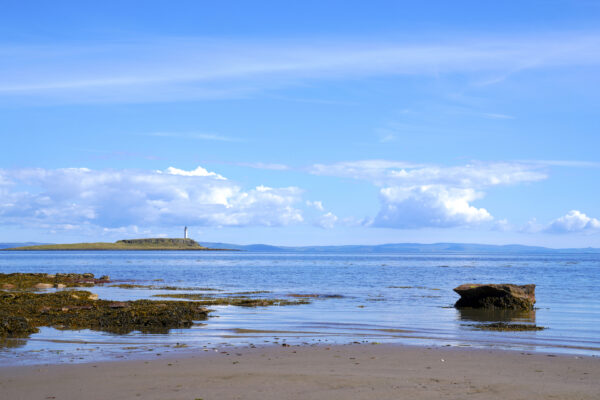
316, 372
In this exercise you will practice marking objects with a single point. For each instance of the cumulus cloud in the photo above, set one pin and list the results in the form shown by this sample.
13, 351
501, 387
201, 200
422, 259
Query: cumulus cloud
432, 206
573, 221
318, 205
502, 225
417, 195
199, 171
327, 220
322, 218
532, 226
113, 199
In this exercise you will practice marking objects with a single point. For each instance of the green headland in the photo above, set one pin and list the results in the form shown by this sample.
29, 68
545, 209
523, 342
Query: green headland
129, 244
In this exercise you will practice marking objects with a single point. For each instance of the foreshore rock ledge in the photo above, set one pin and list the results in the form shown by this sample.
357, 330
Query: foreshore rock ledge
504, 296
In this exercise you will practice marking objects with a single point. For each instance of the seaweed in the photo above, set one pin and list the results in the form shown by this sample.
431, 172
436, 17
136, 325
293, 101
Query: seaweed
154, 287
132, 286
412, 287
503, 327
15, 326
250, 292
22, 281
23, 312
316, 296
232, 301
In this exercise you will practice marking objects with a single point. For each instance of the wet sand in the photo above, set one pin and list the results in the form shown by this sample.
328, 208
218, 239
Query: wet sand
306, 372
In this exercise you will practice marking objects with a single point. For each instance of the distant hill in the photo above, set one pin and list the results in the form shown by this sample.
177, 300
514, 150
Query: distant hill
9, 245
129, 244
403, 248
189, 244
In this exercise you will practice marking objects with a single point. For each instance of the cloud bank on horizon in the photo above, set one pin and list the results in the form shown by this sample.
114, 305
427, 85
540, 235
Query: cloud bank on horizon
117, 199
131, 201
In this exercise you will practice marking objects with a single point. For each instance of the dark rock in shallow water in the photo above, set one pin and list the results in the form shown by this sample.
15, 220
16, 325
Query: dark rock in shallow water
21, 313
505, 295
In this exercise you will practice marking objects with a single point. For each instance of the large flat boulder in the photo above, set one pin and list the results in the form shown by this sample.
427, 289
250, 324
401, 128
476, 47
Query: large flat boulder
504, 296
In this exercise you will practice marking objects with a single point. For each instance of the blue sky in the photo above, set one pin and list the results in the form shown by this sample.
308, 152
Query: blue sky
334, 122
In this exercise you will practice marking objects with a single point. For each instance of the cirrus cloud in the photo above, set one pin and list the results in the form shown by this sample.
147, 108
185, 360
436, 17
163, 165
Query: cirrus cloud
170, 68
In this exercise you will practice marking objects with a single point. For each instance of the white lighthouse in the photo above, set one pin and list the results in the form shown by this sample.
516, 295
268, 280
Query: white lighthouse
185, 233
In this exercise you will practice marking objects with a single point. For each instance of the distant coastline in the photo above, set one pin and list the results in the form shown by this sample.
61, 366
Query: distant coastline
408, 248
392, 248
160, 244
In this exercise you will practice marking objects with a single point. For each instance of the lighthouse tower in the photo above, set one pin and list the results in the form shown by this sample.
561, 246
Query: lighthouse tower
185, 233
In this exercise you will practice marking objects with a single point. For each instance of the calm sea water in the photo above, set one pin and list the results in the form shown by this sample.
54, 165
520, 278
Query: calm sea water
399, 298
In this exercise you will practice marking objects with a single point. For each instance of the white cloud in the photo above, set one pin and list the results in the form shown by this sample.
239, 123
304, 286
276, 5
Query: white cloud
563, 163
429, 206
199, 171
417, 195
573, 221
384, 172
318, 205
327, 221
115, 199
532, 226
183, 68
371, 170
261, 165
388, 138
502, 225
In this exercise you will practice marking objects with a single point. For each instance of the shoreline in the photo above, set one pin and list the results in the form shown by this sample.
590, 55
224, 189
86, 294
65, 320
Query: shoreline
160, 244
133, 249
353, 371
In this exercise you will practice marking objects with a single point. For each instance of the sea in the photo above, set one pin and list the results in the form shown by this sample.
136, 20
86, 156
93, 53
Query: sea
362, 298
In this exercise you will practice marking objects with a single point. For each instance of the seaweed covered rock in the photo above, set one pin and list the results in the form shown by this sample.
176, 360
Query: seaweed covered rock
22, 312
232, 301
504, 327
46, 281
15, 326
504, 296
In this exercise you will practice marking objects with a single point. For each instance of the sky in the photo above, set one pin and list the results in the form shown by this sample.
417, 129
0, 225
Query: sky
301, 123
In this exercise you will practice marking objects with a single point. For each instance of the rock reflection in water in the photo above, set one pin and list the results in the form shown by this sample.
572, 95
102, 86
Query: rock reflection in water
495, 315
7, 343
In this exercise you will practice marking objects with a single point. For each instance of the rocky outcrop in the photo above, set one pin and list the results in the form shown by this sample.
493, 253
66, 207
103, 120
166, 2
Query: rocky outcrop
15, 326
21, 313
503, 296
43, 286
41, 281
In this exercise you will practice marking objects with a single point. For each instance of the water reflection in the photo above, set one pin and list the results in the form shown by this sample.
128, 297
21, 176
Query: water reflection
496, 315
7, 343
410, 305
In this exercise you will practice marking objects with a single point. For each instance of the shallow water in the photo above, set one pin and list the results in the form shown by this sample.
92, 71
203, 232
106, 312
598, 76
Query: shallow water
399, 298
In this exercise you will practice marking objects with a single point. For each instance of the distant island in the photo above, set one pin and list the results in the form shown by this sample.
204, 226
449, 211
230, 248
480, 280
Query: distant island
128, 244
390, 248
